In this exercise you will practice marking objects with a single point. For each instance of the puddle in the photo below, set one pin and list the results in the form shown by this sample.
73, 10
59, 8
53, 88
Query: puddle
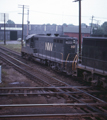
14, 83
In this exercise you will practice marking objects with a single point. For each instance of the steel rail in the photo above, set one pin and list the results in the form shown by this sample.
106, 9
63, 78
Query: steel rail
42, 93
54, 105
52, 115
46, 93
42, 90
52, 87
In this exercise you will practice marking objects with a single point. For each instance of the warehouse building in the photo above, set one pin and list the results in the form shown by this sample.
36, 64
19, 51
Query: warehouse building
73, 31
14, 31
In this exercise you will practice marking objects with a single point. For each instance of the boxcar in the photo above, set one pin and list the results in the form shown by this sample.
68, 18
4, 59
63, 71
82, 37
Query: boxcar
94, 60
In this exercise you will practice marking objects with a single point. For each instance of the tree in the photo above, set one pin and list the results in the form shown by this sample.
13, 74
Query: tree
104, 27
98, 32
64, 24
70, 25
48, 24
10, 22
54, 24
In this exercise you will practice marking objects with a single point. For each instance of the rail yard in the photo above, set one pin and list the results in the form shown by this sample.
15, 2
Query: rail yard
53, 62
45, 94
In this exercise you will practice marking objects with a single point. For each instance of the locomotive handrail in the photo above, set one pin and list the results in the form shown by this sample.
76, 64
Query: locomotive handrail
66, 60
74, 62
62, 59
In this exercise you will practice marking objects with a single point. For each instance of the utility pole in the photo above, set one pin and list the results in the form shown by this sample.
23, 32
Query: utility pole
23, 7
28, 22
79, 27
4, 31
22, 25
91, 25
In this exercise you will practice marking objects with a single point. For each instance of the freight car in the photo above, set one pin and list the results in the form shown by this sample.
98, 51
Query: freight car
93, 66
56, 51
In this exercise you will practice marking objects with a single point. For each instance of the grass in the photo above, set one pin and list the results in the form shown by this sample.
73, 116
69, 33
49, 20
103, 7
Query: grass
3, 82
14, 47
4, 73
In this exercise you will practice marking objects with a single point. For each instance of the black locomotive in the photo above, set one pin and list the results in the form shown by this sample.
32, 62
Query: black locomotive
60, 53
56, 51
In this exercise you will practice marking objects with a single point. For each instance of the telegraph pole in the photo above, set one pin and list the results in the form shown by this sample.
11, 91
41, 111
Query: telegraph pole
28, 22
23, 7
4, 31
22, 25
91, 25
79, 27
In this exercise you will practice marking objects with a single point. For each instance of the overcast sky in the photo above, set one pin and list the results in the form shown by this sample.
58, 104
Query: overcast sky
56, 11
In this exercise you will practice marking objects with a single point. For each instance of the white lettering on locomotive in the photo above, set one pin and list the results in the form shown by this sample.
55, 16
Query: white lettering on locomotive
48, 46
72, 46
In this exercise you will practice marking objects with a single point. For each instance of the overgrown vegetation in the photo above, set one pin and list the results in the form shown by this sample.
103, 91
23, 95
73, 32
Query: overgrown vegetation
100, 30
4, 73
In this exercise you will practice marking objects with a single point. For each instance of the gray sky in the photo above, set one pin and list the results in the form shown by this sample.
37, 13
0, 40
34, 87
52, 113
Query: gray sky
55, 11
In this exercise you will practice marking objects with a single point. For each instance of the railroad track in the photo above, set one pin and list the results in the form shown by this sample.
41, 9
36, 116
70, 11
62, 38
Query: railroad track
50, 91
35, 74
78, 111
83, 103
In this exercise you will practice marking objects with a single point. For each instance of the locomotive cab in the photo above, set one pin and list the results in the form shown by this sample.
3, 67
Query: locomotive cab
70, 55
27, 50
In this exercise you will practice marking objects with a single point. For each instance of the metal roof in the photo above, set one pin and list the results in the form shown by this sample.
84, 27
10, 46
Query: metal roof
75, 29
29, 36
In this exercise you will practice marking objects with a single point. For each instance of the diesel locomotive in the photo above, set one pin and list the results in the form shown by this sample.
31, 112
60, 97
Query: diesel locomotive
58, 52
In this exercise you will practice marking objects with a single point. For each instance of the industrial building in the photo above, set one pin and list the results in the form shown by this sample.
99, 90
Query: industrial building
14, 31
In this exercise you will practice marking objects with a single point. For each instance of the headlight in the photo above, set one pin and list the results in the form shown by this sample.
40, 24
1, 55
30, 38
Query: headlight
73, 41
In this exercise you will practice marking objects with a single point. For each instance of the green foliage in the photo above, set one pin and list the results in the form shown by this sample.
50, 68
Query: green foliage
10, 22
15, 47
100, 30
54, 24
104, 27
48, 24
4, 73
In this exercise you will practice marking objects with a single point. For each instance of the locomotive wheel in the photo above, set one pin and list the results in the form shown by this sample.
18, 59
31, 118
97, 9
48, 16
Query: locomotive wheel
94, 82
104, 85
84, 76
89, 78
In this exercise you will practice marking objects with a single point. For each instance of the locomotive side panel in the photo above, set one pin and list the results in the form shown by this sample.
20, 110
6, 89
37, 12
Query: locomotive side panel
94, 53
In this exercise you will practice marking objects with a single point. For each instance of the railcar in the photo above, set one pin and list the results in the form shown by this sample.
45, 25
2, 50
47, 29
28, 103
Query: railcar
93, 66
56, 51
